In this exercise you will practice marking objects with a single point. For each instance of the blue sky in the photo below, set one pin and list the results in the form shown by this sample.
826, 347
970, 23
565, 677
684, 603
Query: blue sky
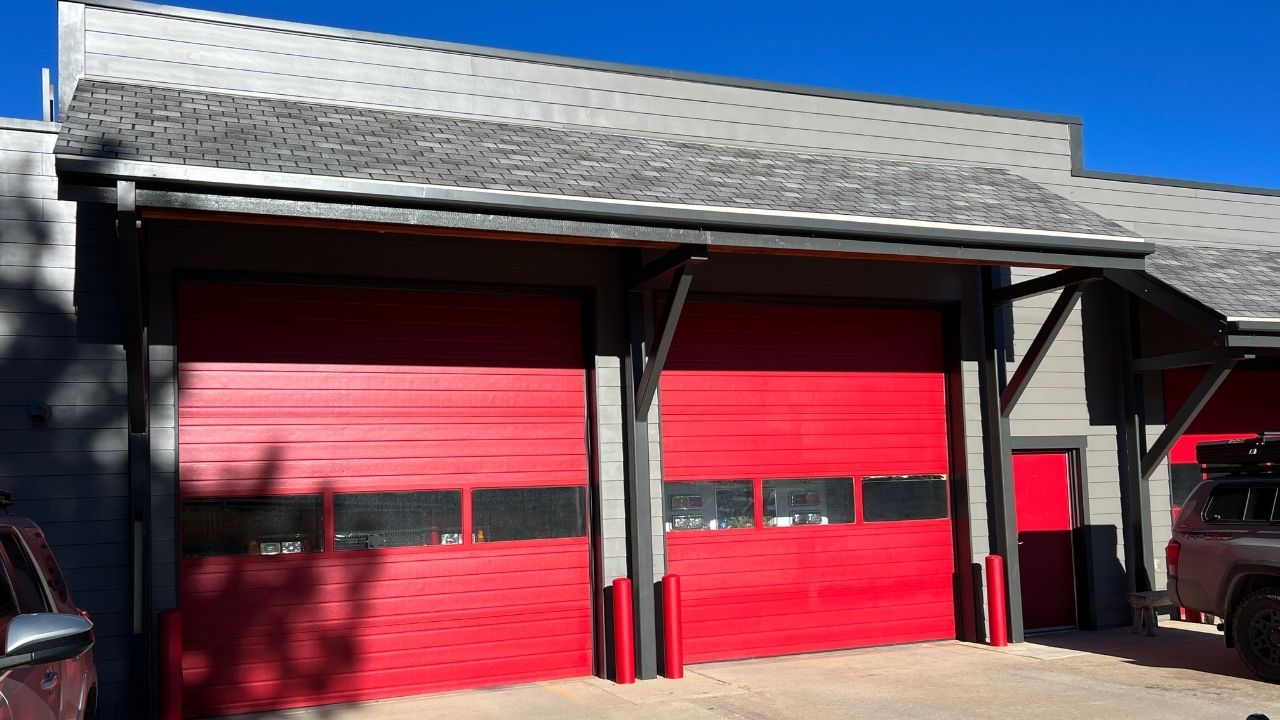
1175, 88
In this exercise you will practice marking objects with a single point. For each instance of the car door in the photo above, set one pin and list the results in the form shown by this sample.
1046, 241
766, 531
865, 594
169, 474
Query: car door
35, 691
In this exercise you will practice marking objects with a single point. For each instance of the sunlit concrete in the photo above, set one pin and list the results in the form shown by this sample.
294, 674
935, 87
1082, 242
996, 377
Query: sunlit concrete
1185, 673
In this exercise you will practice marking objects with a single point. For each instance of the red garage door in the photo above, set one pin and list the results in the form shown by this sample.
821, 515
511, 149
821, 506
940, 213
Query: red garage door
1243, 406
805, 457
383, 493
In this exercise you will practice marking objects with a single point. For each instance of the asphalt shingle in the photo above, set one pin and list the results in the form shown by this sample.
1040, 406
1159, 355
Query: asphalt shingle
189, 127
1236, 283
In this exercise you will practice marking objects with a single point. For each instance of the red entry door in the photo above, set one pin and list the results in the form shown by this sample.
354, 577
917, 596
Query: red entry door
1042, 489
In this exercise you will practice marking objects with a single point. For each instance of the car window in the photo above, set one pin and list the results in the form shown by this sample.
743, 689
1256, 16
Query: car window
26, 579
8, 606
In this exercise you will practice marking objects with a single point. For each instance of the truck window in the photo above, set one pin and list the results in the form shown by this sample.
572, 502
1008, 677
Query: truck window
1226, 504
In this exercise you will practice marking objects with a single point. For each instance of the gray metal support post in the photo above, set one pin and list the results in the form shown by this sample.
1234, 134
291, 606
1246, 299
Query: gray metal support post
997, 457
638, 481
137, 368
1135, 499
642, 368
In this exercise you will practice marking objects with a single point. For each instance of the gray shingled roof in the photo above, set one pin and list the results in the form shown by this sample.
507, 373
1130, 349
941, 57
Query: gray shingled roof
189, 127
1236, 283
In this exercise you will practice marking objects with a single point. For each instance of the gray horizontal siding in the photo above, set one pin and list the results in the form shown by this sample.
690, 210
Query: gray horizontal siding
208, 54
59, 345
182, 52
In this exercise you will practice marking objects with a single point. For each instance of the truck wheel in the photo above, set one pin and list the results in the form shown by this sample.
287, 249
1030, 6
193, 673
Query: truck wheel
1257, 633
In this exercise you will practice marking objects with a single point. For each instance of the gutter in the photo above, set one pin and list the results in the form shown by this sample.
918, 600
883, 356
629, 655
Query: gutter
211, 179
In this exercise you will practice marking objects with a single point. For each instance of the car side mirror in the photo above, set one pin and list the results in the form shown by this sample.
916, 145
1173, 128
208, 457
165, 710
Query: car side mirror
37, 638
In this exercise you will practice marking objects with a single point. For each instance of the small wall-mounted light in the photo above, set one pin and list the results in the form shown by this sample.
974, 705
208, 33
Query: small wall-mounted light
39, 413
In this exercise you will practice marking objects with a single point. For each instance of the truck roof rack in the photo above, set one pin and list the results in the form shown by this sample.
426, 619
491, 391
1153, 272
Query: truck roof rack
1260, 454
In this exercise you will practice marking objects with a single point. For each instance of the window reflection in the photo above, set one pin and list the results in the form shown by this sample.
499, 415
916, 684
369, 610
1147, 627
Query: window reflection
808, 501
273, 525
709, 505
397, 519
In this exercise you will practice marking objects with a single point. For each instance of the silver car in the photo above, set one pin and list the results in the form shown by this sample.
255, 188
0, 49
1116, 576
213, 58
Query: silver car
1224, 559
47, 670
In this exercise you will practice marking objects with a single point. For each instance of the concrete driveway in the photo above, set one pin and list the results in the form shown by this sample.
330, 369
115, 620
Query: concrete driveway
1184, 673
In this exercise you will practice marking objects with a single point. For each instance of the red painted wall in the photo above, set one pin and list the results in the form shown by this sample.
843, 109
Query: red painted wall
756, 392
1244, 405
318, 390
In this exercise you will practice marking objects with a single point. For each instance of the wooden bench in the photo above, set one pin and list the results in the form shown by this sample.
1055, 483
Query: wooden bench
1144, 606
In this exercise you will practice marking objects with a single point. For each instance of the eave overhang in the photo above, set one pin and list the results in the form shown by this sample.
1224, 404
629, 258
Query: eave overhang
209, 143
276, 195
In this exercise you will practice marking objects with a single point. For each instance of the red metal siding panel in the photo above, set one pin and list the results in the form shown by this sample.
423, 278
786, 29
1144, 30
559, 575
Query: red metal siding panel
287, 390
1243, 406
769, 392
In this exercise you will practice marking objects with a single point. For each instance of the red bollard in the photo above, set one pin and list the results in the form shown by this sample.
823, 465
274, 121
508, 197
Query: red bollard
169, 633
997, 614
673, 629
624, 640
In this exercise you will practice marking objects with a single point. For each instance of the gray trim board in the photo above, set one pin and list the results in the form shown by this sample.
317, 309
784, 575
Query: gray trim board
548, 59
70, 51
25, 125
1256, 326
1022, 443
1076, 446
1253, 341
1076, 139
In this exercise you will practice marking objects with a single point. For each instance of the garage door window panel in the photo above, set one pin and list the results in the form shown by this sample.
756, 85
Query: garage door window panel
538, 513
808, 501
710, 505
375, 520
891, 498
266, 525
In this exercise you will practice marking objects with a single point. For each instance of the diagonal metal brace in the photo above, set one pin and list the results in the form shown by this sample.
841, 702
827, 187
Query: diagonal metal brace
1043, 284
1209, 384
647, 385
1039, 347
1191, 358
657, 272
